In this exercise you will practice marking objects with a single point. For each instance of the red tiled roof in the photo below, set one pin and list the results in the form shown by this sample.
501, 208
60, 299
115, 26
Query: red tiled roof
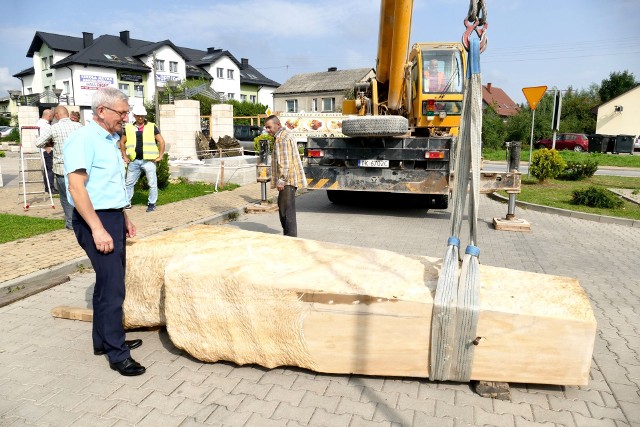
497, 99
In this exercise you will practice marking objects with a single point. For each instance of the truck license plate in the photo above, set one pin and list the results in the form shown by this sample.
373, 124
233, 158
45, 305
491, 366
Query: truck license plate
373, 163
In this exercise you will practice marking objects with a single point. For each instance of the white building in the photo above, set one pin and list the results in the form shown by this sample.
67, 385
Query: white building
77, 66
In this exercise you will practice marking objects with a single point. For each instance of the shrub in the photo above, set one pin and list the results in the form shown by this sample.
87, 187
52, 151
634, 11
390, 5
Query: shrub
257, 139
596, 197
2, 154
14, 136
162, 172
576, 171
546, 164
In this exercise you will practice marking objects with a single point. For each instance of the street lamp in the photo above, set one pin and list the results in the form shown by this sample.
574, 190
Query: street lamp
15, 95
171, 85
57, 92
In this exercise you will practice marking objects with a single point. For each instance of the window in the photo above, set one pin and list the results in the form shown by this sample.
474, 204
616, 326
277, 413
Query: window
29, 90
138, 91
66, 86
173, 66
159, 65
252, 98
230, 95
314, 105
220, 73
292, 105
51, 60
124, 88
328, 104
230, 74
243, 98
442, 71
45, 63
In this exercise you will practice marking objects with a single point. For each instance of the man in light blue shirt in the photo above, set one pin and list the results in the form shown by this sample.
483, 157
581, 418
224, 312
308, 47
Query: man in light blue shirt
95, 178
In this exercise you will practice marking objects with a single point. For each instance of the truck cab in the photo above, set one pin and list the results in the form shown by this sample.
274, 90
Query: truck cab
434, 99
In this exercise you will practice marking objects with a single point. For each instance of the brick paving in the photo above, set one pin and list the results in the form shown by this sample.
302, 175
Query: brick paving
49, 375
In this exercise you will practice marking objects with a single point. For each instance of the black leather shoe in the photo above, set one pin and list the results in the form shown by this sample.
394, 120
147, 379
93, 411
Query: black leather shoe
128, 367
131, 344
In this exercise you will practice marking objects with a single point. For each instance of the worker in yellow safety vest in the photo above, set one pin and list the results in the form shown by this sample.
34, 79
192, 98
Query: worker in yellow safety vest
142, 148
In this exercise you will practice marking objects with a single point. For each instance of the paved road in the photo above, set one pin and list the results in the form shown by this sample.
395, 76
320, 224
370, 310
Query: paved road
491, 166
48, 375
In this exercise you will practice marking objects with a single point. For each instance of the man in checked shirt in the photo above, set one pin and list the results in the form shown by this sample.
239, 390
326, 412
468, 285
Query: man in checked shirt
286, 173
59, 132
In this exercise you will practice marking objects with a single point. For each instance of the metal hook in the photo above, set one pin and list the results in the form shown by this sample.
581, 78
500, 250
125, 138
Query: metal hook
473, 26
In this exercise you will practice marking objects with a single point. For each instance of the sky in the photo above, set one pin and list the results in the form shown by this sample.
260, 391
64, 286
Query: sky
554, 43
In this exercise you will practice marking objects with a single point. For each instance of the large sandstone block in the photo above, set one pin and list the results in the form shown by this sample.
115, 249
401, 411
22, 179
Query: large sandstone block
146, 261
274, 300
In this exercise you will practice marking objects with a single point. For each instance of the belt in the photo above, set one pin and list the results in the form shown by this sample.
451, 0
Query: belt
110, 210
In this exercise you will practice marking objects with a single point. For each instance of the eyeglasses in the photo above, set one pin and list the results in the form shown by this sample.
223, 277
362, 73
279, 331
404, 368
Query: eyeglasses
120, 113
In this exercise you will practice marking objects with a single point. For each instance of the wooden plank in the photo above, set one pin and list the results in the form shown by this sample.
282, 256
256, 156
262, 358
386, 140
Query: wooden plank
73, 313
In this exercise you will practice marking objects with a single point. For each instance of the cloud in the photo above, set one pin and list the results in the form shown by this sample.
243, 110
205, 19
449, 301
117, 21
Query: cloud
7, 82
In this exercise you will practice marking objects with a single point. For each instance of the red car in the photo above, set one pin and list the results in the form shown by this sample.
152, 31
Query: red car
566, 141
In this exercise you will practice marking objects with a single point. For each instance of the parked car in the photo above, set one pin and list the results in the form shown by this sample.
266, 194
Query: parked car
636, 144
245, 134
5, 130
566, 141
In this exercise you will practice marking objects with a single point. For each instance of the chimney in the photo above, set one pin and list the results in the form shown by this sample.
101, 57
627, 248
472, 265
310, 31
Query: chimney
245, 62
87, 39
124, 37
212, 50
330, 69
489, 87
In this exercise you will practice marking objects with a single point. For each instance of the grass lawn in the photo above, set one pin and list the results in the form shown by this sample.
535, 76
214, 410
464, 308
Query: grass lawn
14, 227
620, 160
556, 193
177, 191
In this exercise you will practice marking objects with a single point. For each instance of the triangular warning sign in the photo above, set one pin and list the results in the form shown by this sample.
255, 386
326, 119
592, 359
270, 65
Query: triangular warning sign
534, 95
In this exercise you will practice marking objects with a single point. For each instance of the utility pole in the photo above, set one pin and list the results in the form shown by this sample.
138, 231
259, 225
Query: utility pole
155, 89
555, 122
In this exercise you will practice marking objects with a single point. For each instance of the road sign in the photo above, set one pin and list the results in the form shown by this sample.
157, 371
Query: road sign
534, 95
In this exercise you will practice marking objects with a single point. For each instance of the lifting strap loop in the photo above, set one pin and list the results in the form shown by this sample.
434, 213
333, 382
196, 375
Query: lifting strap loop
456, 303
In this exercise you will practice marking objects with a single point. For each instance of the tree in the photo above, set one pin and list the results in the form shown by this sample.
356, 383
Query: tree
493, 130
244, 108
577, 113
616, 84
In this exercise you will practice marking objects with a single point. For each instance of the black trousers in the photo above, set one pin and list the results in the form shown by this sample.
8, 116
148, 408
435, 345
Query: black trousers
48, 169
287, 211
109, 290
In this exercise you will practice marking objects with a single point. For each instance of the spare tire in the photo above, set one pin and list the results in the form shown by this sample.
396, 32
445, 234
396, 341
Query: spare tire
375, 126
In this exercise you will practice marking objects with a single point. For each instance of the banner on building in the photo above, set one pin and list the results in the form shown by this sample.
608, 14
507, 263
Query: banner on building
93, 82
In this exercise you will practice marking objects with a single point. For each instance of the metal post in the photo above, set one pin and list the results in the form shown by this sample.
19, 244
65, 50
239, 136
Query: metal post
533, 120
515, 147
263, 159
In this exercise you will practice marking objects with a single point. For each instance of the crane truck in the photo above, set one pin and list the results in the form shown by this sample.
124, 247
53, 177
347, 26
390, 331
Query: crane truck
402, 124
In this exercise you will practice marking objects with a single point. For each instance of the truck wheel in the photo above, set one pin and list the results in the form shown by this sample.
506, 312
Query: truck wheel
375, 126
336, 196
438, 201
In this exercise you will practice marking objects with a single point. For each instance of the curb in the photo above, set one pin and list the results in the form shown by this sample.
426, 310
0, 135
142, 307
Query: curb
38, 281
573, 214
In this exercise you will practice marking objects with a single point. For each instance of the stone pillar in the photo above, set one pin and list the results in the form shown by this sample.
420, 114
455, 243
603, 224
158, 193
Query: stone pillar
28, 116
221, 121
180, 122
